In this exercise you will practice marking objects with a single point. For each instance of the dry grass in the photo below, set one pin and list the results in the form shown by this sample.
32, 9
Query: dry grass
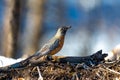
66, 71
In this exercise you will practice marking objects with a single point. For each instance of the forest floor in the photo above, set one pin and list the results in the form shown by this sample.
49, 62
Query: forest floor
49, 70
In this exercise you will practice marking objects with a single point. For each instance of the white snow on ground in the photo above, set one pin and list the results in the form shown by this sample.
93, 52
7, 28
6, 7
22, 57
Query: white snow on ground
4, 61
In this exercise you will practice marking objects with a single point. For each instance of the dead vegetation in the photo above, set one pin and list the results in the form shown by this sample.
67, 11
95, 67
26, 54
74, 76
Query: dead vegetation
58, 70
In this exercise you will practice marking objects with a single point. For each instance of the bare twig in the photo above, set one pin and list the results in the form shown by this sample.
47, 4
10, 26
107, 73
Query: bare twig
40, 76
110, 70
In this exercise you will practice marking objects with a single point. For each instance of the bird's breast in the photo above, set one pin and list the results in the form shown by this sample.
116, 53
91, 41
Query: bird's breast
60, 45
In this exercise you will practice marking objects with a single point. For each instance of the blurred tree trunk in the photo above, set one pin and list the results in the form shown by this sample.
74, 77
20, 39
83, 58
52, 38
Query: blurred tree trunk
11, 27
33, 26
7, 35
15, 24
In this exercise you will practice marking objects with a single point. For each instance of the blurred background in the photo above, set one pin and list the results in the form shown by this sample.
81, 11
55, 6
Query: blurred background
25, 25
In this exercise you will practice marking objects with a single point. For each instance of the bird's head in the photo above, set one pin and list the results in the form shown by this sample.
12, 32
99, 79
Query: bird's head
62, 30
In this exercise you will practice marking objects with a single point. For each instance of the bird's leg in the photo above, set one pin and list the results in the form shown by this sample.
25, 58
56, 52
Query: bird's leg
49, 57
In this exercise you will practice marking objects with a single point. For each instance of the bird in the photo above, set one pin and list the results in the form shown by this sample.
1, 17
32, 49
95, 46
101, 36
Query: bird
55, 44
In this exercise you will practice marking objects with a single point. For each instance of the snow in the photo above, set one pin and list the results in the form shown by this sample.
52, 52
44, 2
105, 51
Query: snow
4, 61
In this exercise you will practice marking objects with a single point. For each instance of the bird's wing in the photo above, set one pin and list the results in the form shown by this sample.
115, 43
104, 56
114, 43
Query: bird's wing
48, 47
55, 44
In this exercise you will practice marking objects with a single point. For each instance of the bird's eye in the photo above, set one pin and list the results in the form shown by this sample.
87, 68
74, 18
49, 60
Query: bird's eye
63, 28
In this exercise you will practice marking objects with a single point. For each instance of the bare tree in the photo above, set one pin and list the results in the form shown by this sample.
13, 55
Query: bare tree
7, 37
15, 24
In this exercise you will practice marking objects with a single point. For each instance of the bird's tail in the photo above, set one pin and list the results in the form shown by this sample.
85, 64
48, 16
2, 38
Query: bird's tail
37, 55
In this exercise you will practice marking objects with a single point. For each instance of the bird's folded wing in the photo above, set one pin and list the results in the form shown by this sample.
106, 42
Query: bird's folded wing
47, 48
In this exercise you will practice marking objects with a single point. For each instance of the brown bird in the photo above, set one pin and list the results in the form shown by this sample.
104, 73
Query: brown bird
55, 44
